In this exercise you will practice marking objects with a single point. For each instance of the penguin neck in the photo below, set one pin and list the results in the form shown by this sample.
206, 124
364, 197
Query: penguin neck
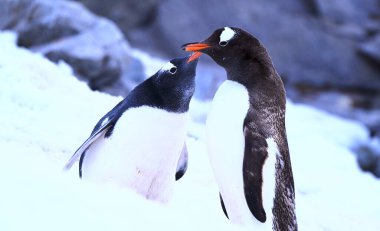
178, 99
252, 69
177, 104
166, 98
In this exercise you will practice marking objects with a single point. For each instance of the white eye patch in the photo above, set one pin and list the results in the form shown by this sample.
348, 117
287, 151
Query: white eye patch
168, 66
227, 34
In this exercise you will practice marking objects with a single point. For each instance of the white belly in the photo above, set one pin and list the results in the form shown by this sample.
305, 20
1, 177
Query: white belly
142, 152
225, 143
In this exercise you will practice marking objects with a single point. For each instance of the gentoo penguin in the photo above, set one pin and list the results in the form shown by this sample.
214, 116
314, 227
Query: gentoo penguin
246, 136
138, 143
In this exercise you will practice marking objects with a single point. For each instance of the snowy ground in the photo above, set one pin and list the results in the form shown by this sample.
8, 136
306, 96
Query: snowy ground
45, 114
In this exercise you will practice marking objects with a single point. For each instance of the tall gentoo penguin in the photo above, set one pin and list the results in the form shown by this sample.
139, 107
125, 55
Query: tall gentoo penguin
138, 143
246, 136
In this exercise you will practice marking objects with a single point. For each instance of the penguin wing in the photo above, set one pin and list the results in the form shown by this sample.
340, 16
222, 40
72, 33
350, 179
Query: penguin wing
255, 154
93, 137
103, 128
182, 163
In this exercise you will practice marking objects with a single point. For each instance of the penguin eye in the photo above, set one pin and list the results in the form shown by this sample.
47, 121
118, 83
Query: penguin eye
173, 70
223, 43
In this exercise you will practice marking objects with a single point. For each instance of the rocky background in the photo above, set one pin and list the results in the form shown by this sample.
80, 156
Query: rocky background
327, 52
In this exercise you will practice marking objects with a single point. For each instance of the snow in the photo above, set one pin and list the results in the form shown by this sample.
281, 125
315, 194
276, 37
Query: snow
46, 113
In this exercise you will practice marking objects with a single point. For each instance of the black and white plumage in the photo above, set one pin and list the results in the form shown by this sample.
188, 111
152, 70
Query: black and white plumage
139, 142
246, 135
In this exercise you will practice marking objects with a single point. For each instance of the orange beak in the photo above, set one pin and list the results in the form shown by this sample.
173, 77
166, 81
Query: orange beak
194, 56
196, 48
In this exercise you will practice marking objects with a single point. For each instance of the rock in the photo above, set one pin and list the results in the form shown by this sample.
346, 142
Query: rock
367, 159
376, 171
347, 11
127, 14
100, 55
93, 46
42, 21
375, 130
348, 31
368, 156
371, 50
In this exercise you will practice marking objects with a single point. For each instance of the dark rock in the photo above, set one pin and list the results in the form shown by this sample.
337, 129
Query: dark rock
347, 31
127, 14
42, 21
368, 156
367, 159
99, 54
93, 46
376, 171
298, 7
347, 11
371, 50
375, 130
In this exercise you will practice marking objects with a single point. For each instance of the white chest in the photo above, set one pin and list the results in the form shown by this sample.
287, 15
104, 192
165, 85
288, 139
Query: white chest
225, 143
225, 120
229, 106
224, 126
142, 152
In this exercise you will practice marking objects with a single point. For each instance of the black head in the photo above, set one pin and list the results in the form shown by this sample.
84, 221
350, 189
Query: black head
175, 83
170, 89
228, 46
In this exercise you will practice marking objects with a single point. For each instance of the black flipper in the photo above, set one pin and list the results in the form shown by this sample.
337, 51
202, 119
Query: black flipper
182, 163
81, 150
81, 163
223, 207
102, 129
255, 154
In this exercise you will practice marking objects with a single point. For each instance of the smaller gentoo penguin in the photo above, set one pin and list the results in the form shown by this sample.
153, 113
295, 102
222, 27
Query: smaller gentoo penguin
139, 142
246, 136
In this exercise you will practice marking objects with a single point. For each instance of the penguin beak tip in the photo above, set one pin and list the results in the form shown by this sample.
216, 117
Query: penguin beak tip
194, 56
